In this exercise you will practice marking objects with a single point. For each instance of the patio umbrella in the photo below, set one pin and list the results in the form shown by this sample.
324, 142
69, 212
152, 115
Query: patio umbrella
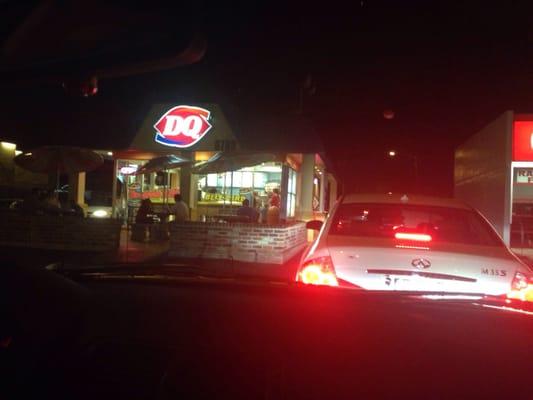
162, 163
59, 159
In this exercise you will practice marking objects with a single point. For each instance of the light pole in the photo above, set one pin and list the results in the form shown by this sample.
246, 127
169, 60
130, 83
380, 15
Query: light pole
414, 159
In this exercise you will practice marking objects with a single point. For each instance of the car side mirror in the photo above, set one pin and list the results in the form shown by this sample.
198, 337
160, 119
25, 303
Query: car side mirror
314, 225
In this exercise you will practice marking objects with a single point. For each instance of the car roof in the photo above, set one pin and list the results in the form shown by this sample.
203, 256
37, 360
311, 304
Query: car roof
401, 198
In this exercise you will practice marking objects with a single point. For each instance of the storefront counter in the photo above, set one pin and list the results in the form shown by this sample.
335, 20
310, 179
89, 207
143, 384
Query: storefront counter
260, 243
211, 210
59, 233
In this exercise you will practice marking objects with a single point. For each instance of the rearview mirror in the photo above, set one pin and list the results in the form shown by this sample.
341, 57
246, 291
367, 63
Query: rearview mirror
314, 224
54, 40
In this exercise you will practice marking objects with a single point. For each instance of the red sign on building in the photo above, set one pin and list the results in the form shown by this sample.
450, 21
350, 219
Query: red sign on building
523, 141
182, 126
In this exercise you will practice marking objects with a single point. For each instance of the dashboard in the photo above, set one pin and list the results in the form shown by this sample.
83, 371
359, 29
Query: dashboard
212, 338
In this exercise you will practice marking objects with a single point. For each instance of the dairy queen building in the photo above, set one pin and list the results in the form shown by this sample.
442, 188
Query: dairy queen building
259, 156
215, 158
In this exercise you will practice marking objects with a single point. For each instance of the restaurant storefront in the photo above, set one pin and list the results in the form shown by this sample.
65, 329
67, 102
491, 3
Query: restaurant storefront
195, 151
199, 132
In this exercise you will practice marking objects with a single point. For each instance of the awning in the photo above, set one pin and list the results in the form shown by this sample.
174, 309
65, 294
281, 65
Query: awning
163, 163
226, 162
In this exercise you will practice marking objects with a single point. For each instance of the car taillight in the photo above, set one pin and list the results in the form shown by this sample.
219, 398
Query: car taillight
521, 287
318, 271
520, 281
417, 237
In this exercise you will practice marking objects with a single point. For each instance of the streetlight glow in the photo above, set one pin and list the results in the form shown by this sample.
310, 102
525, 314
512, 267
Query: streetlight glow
392, 153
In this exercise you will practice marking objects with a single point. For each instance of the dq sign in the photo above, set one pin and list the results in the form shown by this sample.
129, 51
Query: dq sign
182, 126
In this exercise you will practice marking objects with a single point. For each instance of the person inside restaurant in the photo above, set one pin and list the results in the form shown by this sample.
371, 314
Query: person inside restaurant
180, 209
275, 199
144, 222
144, 214
273, 213
246, 211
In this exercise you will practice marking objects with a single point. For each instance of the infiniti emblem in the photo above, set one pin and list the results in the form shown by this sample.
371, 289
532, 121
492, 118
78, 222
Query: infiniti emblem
421, 263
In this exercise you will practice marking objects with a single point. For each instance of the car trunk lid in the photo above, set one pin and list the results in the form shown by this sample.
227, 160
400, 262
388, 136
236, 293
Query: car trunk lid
391, 264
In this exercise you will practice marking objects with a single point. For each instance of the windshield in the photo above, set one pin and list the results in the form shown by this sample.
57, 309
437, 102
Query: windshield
173, 177
211, 135
447, 225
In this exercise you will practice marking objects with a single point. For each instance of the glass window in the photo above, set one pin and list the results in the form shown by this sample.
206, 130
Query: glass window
522, 222
442, 224
247, 179
259, 179
252, 183
291, 193
212, 180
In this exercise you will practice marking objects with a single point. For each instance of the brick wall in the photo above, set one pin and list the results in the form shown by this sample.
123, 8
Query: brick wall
270, 244
59, 233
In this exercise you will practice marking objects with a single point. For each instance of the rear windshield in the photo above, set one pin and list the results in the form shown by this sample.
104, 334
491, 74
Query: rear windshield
442, 224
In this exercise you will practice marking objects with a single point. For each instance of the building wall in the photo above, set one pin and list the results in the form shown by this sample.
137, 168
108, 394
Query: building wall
306, 195
483, 172
55, 233
221, 132
269, 244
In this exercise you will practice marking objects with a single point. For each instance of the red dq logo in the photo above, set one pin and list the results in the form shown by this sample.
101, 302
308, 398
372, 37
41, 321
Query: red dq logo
182, 126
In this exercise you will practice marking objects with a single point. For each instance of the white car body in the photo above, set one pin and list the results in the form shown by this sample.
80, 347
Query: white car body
387, 263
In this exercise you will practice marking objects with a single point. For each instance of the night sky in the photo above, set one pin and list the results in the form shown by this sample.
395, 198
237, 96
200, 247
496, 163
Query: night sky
445, 69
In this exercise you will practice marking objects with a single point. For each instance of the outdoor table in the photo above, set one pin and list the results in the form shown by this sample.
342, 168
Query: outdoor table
163, 216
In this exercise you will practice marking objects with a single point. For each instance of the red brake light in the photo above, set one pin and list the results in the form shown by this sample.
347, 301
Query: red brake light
417, 237
319, 271
520, 281
521, 287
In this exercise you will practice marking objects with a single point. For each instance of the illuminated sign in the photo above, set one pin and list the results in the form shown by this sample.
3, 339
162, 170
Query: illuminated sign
221, 197
523, 141
154, 195
182, 126
130, 169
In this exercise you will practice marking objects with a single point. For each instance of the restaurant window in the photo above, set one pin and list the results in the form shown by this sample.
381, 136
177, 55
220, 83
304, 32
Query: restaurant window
146, 182
316, 192
522, 211
231, 188
159, 187
291, 194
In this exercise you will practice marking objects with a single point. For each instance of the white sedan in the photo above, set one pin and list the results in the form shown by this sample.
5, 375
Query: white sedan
386, 242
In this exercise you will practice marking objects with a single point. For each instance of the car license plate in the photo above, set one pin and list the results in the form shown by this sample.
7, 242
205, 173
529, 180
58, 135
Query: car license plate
412, 283
397, 283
